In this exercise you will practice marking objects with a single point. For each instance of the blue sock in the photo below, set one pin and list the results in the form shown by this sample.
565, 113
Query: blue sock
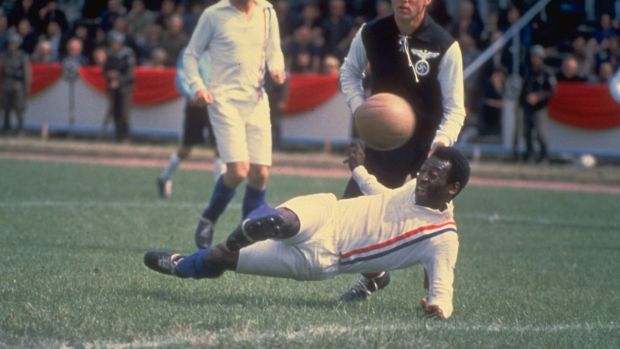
252, 199
193, 266
220, 198
262, 211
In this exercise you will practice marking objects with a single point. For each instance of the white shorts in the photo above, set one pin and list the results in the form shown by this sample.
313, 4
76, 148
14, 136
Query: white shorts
309, 255
242, 129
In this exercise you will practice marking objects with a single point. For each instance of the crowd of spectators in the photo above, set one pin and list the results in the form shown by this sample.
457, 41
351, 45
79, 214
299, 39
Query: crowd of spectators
580, 37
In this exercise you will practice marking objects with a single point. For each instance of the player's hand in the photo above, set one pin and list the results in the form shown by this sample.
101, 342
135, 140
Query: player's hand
204, 97
355, 155
434, 147
278, 76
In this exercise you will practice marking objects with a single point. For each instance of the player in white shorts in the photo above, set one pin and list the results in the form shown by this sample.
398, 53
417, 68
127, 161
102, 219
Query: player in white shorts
243, 40
316, 237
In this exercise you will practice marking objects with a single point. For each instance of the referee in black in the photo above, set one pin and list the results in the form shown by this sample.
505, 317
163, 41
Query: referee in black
407, 54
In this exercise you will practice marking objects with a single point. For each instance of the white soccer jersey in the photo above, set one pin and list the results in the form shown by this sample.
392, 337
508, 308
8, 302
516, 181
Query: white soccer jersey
372, 233
375, 231
239, 46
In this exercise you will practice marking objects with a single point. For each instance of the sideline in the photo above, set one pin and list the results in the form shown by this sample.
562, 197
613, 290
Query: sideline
303, 171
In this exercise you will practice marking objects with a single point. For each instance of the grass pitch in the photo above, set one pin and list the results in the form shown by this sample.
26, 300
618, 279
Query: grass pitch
537, 269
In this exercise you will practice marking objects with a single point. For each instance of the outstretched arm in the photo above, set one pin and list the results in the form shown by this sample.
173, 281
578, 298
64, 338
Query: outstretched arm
369, 185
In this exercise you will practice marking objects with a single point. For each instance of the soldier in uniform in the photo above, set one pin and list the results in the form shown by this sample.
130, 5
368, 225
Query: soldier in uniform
118, 70
15, 75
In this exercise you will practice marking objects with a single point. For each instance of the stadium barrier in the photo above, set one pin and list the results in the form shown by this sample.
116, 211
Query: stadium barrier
583, 118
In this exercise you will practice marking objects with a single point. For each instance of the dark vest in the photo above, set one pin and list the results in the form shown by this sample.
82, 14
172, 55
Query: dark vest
390, 71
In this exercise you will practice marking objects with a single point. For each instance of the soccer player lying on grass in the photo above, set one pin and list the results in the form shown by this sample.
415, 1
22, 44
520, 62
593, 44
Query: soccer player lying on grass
316, 237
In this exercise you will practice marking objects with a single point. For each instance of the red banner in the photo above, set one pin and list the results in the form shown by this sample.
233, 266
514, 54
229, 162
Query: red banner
308, 91
152, 86
155, 86
43, 76
583, 105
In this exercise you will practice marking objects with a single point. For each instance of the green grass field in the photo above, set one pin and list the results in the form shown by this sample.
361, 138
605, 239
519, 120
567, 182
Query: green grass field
537, 269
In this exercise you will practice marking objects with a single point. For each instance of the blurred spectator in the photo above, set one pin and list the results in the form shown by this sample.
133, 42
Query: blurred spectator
604, 31
472, 84
501, 58
119, 73
288, 20
158, 58
311, 16
139, 18
537, 88
51, 13
523, 42
302, 55
25, 9
4, 31
99, 56
121, 26
166, 11
492, 102
149, 42
439, 12
173, 39
56, 40
491, 26
114, 10
43, 52
605, 72
191, 17
583, 52
72, 10
74, 59
80, 32
383, 8
467, 21
338, 29
610, 52
361, 10
28, 34
101, 37
15, 75
569, 71
330, 65
75, 54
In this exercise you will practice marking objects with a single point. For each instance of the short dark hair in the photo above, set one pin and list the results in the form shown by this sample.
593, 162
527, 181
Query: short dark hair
459, 169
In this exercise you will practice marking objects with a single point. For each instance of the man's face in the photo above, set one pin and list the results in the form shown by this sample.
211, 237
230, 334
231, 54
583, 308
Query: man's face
432, 188
409, 9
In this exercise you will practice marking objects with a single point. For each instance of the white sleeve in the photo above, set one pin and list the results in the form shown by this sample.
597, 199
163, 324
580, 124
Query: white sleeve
199, 42
452, 91
369, 185
352, 72
275, 57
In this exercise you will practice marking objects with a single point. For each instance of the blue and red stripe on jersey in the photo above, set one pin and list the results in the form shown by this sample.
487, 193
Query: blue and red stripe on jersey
394, 244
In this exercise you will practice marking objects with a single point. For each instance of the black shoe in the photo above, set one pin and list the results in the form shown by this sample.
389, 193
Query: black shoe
164, 187
203, 235
262, 227
162, 262
365, 287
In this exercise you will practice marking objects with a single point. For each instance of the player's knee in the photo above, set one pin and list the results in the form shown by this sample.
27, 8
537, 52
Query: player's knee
237, 173
258, 175
291, 224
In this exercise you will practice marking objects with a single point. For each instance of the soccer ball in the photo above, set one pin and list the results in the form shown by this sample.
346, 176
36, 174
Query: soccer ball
385, 121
